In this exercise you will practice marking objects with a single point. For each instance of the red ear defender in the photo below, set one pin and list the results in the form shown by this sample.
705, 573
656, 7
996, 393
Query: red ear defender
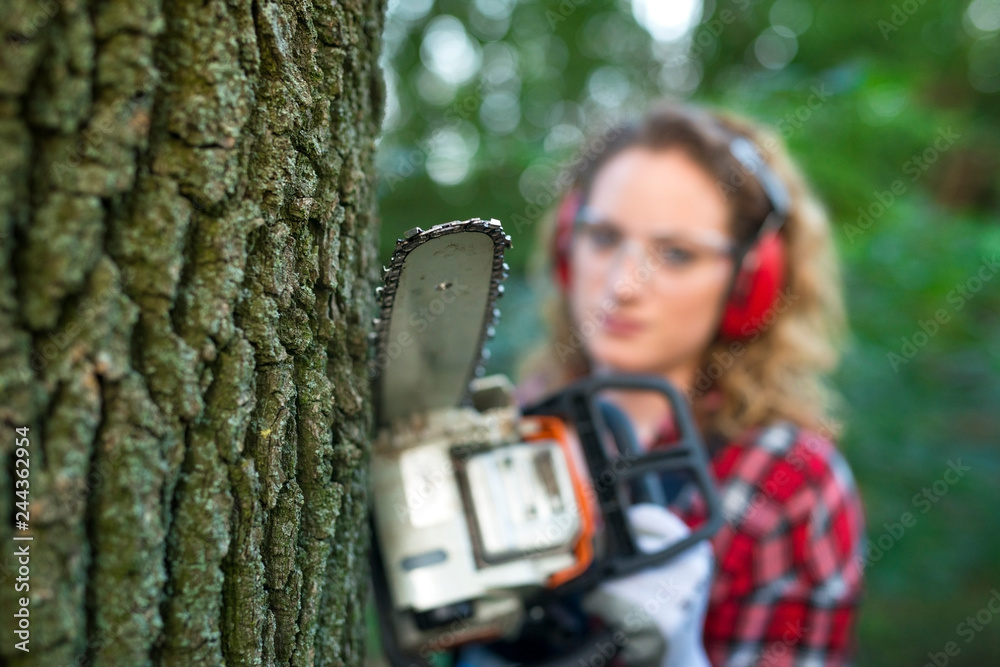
756, 288
761, 273
562, 241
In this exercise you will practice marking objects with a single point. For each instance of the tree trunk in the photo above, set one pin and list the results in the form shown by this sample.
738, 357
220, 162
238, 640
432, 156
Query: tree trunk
188, 255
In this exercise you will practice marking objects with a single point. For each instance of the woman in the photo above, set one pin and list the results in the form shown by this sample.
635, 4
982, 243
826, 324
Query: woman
691, 248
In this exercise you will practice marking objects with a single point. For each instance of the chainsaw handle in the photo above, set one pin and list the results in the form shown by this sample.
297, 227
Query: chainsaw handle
580, 405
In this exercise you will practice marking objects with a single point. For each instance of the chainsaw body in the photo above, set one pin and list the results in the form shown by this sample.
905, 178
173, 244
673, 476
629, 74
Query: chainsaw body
473, 508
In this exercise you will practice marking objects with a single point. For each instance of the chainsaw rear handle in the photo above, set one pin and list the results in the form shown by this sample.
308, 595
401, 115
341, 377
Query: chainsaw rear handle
580, 405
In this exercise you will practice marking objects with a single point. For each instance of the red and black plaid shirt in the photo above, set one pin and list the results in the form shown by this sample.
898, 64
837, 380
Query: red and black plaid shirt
788, 559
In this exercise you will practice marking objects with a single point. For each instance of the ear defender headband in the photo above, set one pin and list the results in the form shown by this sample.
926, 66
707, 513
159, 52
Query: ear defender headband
760, 262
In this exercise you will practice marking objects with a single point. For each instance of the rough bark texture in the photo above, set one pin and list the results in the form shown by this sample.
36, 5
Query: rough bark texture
188, 251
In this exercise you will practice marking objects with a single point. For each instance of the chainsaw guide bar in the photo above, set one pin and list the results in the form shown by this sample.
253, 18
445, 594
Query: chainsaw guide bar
437, 309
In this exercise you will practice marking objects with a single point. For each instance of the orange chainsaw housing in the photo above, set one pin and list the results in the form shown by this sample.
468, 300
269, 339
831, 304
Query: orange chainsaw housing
553, 428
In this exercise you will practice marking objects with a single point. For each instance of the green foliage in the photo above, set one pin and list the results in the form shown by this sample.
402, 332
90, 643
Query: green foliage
922, 382
891, 108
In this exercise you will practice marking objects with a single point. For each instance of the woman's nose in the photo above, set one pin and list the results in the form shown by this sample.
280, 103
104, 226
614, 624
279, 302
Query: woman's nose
624, 272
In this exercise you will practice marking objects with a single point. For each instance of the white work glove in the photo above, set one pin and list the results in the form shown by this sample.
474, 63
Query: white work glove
660, 610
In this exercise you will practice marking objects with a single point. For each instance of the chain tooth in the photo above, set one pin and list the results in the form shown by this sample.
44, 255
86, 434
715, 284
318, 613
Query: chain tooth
410, 233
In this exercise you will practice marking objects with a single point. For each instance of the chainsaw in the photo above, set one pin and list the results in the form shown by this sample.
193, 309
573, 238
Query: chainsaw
483, 513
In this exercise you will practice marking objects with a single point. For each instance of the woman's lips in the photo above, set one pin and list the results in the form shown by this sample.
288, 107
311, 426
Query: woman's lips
622, 326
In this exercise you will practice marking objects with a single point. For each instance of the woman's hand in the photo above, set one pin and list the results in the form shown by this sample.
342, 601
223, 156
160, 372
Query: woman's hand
660, 610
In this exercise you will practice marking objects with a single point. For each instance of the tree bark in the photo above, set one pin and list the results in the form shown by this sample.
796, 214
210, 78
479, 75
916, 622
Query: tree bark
188, 255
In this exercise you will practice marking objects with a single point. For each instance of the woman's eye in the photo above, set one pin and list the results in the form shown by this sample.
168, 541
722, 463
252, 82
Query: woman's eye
603, 238
675, 255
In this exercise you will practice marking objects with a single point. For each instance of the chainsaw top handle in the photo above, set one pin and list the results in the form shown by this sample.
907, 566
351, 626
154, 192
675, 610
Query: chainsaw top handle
580, 405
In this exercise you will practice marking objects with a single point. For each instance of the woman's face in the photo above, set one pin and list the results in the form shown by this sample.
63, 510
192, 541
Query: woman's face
650, 264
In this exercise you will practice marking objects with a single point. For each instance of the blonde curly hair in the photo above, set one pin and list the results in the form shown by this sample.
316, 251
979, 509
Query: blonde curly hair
779, 372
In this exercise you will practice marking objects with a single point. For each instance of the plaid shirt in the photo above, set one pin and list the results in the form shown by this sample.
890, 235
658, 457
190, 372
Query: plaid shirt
788, 577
